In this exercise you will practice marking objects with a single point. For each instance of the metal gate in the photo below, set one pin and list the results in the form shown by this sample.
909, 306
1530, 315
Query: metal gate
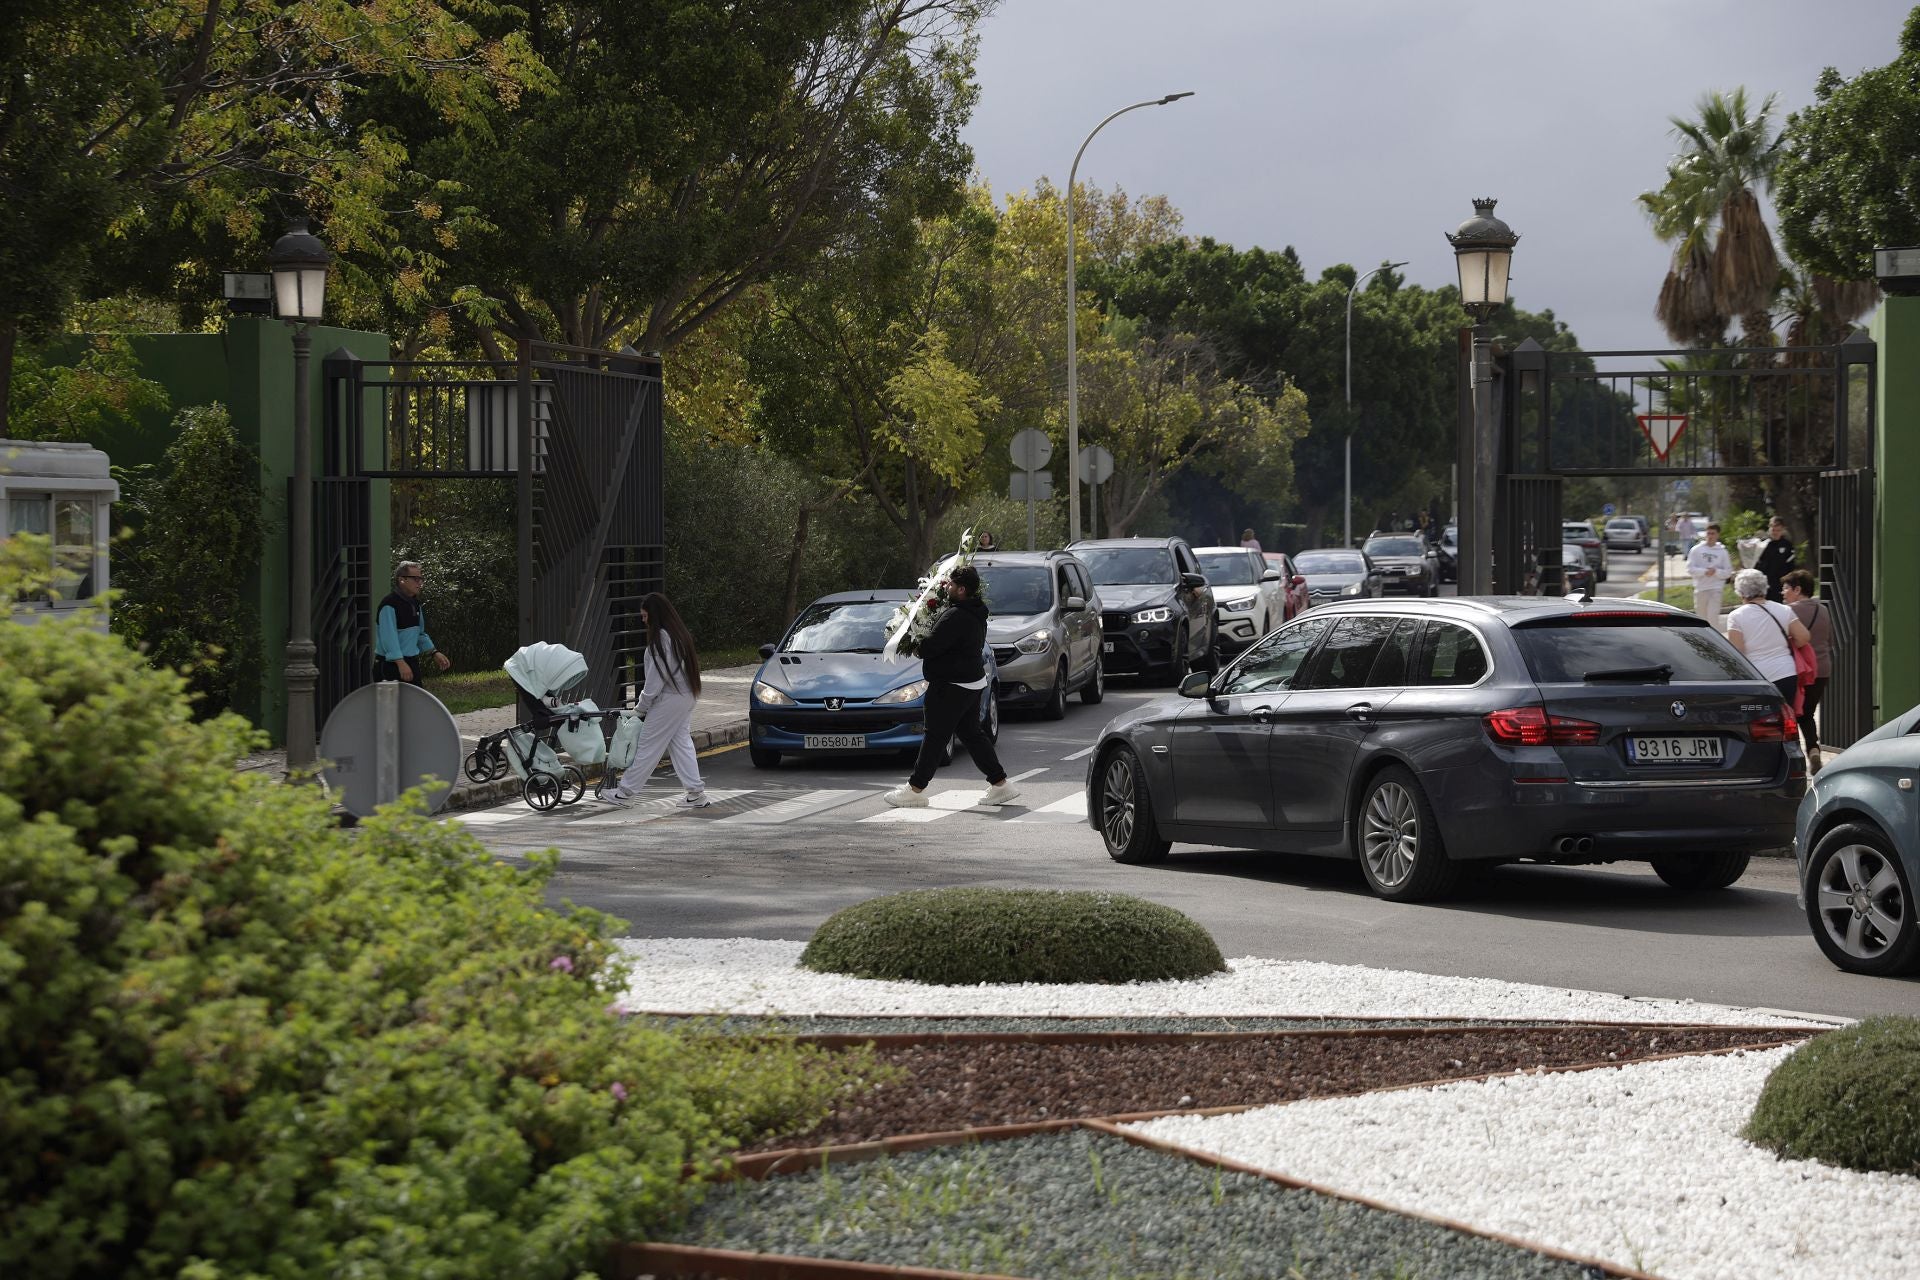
1799, 416
579, 432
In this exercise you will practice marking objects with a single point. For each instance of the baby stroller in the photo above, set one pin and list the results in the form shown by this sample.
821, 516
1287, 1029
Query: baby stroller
553, 720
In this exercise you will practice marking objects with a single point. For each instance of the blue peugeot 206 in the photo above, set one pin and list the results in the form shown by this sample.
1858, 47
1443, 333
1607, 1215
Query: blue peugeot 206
829, 689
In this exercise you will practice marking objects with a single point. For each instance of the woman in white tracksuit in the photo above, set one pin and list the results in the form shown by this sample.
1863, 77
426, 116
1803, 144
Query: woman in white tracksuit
671, 693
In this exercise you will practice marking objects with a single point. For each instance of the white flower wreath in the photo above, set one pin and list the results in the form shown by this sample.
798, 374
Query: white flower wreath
913, 621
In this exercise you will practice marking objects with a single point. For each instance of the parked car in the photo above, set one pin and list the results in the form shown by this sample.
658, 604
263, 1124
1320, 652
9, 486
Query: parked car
1581, 534
1044, 629
1418, 735
1407, 564
1575, 573
1447, 552
1156, 609
1646, 529
1297, 598
1857, 844
826, 688
1336, 574
1623, 533
1248, 600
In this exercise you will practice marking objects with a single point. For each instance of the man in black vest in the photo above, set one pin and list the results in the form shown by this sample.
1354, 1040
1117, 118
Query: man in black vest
401, 642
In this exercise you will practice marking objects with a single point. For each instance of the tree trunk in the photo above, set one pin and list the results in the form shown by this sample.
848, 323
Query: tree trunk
795, 553
9, 333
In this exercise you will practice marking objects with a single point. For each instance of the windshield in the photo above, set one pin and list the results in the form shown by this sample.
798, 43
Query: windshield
1575, 531
1631, 526
1564, 654
1017, 588
841, 628
1118, 566
1310, 562
1227, 568
1395, 547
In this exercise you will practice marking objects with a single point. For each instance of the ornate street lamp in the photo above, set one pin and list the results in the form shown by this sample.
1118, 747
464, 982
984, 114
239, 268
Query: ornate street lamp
1073, 322
300, 262
1483, 252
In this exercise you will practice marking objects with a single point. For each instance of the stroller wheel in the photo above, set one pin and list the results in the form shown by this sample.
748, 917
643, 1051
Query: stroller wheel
479, 768
496, 763
574, 785
541, 791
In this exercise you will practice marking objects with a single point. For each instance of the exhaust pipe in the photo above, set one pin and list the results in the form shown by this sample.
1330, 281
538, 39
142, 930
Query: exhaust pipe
1583, 845
1573, 846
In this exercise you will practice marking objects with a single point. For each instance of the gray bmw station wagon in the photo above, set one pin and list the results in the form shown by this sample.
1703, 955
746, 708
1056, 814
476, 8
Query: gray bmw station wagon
1422, 735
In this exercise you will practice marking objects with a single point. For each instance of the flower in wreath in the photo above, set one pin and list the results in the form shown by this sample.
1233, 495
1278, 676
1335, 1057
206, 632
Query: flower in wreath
913, 621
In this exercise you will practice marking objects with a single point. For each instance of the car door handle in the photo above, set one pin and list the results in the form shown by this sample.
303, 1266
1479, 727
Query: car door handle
1263, 715
1361, 711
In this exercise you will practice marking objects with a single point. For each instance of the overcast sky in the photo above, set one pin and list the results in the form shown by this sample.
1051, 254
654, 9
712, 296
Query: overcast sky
1361, 131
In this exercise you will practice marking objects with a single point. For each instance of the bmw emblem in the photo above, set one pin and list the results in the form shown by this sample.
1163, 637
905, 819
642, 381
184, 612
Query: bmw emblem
1679, 710
834, 704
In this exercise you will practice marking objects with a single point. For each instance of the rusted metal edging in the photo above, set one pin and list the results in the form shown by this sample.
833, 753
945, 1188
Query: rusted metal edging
635, 1261
914, 1039
1415, 1023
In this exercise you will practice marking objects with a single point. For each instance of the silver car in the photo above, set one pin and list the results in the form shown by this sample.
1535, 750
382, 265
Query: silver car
1044, 629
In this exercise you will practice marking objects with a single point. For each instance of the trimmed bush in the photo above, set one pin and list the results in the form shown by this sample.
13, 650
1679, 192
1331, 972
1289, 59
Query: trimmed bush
958, 937
1849, 1097
237, 1041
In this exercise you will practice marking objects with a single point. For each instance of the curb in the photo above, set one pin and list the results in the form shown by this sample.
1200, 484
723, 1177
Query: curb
480, 795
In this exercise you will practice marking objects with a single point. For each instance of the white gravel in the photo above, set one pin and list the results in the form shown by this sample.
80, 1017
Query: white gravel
1641, 1165
751, 975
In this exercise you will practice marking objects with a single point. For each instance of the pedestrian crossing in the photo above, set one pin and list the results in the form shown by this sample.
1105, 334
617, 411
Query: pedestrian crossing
1061, 803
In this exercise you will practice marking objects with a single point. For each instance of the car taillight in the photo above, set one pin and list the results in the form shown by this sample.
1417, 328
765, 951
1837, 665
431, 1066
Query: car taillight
1776, 728
1533, 727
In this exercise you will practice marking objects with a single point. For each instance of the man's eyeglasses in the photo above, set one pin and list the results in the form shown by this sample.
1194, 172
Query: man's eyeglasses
413, 577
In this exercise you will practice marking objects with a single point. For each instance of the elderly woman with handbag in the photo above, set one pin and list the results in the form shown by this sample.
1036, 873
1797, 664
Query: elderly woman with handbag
1798, 587
1775, 641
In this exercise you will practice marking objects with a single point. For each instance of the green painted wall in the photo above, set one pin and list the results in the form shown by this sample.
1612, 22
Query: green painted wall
1896, 461
249, 368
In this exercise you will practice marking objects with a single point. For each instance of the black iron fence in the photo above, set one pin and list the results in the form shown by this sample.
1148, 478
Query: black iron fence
1845, 552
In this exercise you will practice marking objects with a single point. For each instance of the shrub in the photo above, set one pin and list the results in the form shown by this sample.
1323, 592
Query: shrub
464, 534
1849, 1097
238, 1041
956, 937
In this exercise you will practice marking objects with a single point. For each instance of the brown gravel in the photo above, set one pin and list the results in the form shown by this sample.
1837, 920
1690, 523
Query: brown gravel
963, 1084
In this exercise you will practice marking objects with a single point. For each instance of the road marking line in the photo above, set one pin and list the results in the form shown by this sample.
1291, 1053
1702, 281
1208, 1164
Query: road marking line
910, 815
1022, 777
802, 806
487, 817
647, 810
1075, 804
1084, 751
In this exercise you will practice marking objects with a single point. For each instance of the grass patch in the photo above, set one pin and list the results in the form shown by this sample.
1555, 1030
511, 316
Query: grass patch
1681, 597
742, 655
464, 691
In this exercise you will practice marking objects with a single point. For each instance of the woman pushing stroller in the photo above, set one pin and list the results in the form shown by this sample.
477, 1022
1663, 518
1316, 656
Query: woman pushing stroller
672, 673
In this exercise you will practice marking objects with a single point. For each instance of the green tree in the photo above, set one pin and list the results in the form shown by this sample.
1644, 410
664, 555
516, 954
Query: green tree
1848, 181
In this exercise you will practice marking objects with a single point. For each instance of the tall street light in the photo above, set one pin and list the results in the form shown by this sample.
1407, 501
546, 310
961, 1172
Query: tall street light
1483, 251
1073, 325
300, 263
1350, 292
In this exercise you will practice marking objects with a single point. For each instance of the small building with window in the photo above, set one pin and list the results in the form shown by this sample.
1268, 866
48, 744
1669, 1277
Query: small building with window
65, 493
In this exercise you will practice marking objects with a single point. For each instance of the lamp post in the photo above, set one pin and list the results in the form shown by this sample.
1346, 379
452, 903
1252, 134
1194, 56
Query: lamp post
1073, 326
299, 263
1483, 251
1350, 292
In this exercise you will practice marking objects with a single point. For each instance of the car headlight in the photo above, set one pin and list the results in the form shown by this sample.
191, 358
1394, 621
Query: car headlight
1162, 614
1352, 588
764, 692
905, 693
1038, 642
1237, 606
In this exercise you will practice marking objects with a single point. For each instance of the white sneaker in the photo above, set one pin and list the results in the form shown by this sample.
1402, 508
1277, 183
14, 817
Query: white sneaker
905, 797
610, 799
695, 800
999, 793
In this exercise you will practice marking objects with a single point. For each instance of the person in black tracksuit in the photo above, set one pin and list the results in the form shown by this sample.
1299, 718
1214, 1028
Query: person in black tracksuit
956, 675
1777, 558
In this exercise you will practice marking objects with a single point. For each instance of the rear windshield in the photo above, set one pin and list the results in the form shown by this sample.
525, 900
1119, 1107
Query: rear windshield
1329, 562
1631, 526
1226, 568
1571, 652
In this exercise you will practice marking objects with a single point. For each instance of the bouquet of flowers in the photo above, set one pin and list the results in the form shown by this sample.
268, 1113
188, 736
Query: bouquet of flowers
913, 621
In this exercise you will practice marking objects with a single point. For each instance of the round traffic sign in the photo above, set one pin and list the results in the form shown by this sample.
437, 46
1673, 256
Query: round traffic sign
1606, 508
1031, 449
1098, 461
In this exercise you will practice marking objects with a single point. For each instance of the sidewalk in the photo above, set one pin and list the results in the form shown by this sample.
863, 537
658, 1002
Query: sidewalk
719, 720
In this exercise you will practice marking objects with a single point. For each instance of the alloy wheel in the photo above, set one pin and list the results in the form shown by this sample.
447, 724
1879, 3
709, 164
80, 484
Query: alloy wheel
1390, 834
1860, 901
1117, 803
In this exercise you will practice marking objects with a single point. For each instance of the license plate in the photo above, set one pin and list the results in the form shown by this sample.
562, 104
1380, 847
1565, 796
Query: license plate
836, 741
1675, 750
1106, 646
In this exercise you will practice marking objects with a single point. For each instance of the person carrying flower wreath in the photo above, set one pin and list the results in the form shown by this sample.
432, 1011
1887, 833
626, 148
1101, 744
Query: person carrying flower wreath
957, 679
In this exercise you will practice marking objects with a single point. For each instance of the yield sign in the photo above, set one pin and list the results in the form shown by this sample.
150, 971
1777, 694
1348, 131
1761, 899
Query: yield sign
1662, 429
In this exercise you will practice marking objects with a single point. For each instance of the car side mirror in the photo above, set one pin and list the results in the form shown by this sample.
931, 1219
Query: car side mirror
1194, 580
1075, 604
1298, 580
766, 651
1195, 684
1271, 575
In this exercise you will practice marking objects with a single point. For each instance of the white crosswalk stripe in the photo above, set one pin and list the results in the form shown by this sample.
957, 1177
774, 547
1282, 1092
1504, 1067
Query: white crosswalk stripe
805, 805
1058, 802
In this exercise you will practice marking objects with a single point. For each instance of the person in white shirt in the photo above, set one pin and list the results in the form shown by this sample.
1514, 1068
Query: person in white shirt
1709, 565
668, 700
1767, 633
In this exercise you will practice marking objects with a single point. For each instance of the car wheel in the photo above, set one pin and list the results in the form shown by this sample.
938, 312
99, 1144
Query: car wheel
1126, 811
1705, 871
1056, 708
1860, 903
1397, 840
993, 712
763, 758
1095, 689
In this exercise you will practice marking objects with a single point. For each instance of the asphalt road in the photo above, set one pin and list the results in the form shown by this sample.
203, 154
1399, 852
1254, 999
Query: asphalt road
783, 849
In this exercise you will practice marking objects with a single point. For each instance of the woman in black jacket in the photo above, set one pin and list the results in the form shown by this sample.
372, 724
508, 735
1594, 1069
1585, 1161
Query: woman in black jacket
956, 681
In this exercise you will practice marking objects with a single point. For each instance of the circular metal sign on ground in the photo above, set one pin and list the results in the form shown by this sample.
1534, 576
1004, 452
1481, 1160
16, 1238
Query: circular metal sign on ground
415, 740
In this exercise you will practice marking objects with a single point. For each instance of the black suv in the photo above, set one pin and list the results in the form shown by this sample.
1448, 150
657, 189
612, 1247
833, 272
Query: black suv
1156, 607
